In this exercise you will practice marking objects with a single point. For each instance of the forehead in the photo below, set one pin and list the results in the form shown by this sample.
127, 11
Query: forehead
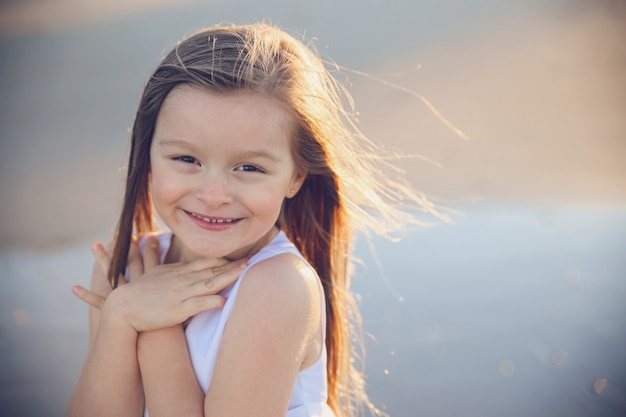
224, 124
239, 123
238, 110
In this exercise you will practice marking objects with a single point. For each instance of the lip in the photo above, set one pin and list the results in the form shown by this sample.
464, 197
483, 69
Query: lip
212, 222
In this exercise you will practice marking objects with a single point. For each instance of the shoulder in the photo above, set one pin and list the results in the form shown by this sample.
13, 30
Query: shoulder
284, 276
275, 315
284, 287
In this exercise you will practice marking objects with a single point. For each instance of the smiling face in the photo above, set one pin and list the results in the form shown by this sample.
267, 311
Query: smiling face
221, 167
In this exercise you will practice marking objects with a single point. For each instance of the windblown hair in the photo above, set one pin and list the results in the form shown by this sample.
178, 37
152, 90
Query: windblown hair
349, 185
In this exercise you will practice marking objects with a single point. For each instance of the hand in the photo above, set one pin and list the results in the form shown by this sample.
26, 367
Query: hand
163, 295
100, 285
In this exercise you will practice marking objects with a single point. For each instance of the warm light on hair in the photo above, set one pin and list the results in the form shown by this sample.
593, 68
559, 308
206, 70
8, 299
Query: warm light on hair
350, 185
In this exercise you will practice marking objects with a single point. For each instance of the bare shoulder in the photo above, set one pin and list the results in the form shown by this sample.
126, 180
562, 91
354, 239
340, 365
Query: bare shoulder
276, 315
284, 288
283, 276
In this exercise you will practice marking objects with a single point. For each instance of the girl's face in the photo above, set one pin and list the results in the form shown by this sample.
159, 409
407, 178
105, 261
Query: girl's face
221, 168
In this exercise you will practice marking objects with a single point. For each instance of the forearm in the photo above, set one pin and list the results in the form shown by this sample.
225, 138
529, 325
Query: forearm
169, 382
110, 383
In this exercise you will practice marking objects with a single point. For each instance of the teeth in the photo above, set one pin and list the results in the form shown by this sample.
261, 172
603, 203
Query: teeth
213, 220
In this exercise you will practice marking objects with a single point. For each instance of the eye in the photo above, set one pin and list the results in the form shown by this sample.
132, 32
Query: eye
249, 168
187, 159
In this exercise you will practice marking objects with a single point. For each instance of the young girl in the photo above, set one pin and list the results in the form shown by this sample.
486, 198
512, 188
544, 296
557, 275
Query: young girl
243, 148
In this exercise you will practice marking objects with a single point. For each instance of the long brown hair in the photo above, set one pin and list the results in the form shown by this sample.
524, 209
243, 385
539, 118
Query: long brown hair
349, 184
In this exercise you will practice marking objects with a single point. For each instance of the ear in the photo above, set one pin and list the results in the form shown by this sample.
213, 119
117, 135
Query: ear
296, 182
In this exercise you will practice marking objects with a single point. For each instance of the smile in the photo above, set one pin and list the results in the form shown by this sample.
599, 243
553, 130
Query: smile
212, 220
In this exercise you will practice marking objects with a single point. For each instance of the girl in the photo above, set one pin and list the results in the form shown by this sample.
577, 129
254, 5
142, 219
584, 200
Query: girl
242, 147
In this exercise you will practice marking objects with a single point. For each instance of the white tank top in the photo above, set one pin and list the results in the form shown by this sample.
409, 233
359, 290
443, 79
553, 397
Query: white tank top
205, 330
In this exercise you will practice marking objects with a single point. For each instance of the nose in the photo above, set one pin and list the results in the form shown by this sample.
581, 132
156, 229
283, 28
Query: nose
214, 189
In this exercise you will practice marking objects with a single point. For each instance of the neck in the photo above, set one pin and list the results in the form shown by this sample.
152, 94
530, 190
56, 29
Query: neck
177, 252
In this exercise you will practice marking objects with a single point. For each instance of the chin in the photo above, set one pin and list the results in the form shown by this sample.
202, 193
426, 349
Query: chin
204, 252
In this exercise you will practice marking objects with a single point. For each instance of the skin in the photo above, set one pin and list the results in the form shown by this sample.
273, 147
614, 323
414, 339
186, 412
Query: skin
220, 191
225, 158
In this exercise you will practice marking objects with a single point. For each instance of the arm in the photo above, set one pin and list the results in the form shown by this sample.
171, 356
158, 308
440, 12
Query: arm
110, 383
170, 384
272, 333
151, 305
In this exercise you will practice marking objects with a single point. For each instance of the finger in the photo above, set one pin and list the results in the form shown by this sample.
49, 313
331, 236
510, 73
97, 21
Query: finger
91, 298
135, 264
213, 284
151, 253
195, 305
102, 253
102, 257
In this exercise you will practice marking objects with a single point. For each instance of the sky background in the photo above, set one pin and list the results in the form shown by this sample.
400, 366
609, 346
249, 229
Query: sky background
538, 87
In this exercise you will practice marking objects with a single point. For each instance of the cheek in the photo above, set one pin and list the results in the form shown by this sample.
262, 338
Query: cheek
263, 200
274, 205
163, 191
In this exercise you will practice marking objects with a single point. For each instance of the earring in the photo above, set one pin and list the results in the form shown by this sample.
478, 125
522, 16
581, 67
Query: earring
292, 192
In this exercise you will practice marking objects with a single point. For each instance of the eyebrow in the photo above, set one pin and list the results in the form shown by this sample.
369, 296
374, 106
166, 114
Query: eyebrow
258, 154
175, 142
246, 154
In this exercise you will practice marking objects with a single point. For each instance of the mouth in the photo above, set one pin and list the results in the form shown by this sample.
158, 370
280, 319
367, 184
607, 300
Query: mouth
214, 220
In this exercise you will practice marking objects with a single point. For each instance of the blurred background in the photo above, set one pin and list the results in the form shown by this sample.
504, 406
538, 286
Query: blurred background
514, 308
